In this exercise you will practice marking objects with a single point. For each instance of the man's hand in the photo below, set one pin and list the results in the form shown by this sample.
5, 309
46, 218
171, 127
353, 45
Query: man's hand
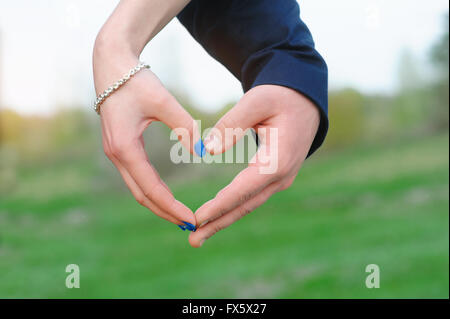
296, 120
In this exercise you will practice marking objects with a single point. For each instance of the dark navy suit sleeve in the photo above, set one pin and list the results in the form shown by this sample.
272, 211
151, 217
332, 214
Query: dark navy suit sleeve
262, 42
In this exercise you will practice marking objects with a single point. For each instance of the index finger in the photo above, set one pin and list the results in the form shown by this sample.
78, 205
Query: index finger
197, 238
135, 161
244, 186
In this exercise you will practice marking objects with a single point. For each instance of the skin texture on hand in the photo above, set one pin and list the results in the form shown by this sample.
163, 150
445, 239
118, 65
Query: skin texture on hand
296, 119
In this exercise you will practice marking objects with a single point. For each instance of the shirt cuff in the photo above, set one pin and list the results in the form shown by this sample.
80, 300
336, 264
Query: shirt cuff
305, 72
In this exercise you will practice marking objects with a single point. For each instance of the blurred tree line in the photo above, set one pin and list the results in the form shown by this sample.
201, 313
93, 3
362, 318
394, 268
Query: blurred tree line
420, 106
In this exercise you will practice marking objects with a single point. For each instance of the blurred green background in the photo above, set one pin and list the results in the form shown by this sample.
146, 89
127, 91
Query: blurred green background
377, 192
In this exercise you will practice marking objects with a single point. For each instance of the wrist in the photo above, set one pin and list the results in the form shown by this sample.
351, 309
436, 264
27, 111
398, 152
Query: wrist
119, 35
109, 44
112, 58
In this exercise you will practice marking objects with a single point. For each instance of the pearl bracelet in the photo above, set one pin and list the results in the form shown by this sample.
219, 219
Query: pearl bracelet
106, 93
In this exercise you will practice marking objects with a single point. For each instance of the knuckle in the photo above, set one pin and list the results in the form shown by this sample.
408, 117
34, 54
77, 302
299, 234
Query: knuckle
217, 211
107, 152
116, 149
282, 171
119, 147
149, 193
222, 211
245, 211
190, 127
287, 184
158, 98
220, 194
245, 197
141, 199
217, 228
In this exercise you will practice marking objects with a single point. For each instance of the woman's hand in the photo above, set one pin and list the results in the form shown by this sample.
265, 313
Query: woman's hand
286, 123
124, 117
143, 99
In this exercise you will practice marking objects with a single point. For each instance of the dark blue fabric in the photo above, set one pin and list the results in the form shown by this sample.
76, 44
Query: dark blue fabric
262, 42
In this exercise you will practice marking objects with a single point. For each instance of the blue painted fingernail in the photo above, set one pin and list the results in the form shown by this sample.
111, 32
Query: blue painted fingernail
182, 227
190, 227
199, 148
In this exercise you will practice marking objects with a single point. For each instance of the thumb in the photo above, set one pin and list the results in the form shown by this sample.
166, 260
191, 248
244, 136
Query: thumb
233, 125
183, 125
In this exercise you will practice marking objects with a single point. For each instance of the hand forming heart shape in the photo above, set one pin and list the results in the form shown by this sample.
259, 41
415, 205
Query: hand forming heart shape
293, 118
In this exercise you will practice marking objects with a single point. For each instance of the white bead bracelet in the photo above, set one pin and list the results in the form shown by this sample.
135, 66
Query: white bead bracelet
106, 93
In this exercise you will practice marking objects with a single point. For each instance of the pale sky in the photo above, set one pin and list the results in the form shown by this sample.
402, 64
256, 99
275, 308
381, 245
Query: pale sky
46, 48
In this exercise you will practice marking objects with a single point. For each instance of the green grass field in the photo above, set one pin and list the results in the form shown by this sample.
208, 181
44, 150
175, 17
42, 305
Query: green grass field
385, 204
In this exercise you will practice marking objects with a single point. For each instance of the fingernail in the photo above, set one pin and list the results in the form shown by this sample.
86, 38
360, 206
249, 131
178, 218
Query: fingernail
201, 242
212, 143
182, 227
199, 148
189, 226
